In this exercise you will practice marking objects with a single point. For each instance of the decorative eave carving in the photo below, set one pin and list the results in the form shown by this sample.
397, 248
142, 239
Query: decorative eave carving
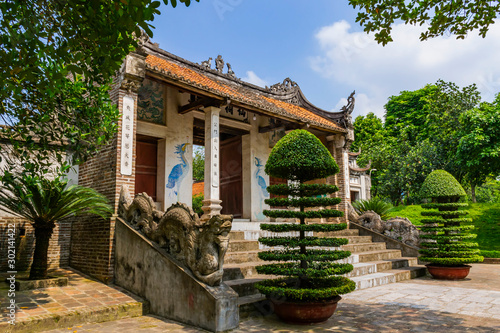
133, 72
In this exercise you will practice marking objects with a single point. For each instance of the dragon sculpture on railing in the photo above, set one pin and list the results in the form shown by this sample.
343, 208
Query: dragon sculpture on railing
199, 245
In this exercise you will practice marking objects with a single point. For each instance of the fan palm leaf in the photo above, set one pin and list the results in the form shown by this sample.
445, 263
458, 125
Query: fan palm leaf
44, 202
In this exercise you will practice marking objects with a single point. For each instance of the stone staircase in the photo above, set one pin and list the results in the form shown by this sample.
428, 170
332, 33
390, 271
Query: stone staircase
374, 265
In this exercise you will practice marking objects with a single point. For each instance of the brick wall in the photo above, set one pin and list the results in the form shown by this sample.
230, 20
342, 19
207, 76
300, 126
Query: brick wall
59, 246
92, 246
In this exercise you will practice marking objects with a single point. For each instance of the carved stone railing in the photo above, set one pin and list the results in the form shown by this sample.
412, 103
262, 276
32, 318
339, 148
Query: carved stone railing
201, 246
174, 261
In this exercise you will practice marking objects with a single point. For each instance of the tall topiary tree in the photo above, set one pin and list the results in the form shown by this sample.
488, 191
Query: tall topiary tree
445, 241
309, 273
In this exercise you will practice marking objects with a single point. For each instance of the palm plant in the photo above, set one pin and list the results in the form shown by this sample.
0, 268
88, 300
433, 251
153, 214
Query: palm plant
44, 202
375, 204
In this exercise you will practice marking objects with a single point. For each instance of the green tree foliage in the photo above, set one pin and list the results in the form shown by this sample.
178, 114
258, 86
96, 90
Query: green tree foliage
407, 114
444, 240
310, 274
199, 163
421, 133
44, 203
442, 17
369, 131
478, 152
58, 59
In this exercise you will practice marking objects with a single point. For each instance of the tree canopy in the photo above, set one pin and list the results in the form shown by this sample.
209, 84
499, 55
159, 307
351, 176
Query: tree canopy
441, 17
440, 126
58, 60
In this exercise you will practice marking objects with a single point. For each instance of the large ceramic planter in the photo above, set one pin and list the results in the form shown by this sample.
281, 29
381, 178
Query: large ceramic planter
448, 272
305, 313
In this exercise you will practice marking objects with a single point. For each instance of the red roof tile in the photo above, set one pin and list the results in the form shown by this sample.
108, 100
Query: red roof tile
238, 93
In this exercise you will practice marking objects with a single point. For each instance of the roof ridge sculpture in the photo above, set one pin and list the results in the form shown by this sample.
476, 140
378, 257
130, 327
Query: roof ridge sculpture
287, 91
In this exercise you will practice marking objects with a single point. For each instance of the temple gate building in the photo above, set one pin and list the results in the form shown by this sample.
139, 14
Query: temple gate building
167, 105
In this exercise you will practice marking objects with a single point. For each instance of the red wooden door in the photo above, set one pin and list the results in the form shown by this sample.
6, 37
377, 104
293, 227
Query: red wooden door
277, 181
231, 180
146, 165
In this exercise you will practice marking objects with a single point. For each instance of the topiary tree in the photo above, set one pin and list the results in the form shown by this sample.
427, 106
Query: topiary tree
445, 241
309, 273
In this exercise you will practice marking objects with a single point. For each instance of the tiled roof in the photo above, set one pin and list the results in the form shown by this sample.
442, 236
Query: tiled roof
238, 93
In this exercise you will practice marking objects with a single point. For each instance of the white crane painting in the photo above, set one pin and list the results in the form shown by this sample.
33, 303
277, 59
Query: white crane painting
179, 171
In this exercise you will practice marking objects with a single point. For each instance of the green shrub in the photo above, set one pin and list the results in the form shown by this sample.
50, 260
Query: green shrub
197, 204
444, 240
375, 204
490, 254
442, 187
309, 274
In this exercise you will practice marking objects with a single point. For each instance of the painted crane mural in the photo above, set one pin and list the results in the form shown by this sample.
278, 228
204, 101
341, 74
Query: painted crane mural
179, 171
261, 182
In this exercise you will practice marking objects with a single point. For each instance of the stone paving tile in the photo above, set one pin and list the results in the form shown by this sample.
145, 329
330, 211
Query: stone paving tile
419, 305
81, 292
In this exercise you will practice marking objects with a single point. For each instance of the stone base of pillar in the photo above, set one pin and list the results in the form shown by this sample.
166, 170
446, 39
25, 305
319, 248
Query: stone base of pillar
210, 208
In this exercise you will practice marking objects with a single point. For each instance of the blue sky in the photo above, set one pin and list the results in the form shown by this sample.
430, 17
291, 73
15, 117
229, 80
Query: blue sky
319, 45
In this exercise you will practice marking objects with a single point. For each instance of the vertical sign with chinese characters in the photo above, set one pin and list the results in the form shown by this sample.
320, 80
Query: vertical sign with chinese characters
127, 136
347, 175
215, 155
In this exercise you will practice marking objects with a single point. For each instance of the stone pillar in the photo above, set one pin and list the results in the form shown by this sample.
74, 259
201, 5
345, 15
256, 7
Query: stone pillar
341, 149
211, 204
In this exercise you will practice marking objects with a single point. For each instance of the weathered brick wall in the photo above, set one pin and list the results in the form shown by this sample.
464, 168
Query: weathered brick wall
92, 246
59, 246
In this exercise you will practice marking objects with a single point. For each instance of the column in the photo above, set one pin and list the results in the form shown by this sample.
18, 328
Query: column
211, 204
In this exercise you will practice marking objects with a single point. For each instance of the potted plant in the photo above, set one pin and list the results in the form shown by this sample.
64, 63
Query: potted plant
310, 289
446, 244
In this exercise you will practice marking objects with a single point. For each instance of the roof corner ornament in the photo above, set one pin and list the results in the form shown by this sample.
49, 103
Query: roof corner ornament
219, 63
207, 64
284, 87
348, 109
142, 39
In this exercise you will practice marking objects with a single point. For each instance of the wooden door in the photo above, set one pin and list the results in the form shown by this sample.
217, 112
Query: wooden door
277, 181
146, 165
231, 180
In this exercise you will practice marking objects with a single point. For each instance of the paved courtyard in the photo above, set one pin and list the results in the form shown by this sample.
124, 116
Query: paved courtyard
419, 305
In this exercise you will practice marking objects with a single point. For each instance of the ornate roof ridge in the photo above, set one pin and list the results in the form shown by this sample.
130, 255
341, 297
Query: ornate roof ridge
288, 91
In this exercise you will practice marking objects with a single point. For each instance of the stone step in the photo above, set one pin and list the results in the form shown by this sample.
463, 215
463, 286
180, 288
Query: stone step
254, 306
378, 255
358, 239
340, 233
242, 245
246, 287
389, 276
361, 269
62, 320
364, 247
255, 234
236, 235
241, 257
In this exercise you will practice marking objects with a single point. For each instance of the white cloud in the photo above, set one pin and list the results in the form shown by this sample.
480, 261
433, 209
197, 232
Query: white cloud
255, 79
355, 60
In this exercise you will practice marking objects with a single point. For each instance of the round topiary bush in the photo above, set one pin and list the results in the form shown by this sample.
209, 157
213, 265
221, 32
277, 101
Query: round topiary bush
309, 273
445, 241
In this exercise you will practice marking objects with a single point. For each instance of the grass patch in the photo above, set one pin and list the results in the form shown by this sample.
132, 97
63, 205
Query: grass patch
411, 212
485, 217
